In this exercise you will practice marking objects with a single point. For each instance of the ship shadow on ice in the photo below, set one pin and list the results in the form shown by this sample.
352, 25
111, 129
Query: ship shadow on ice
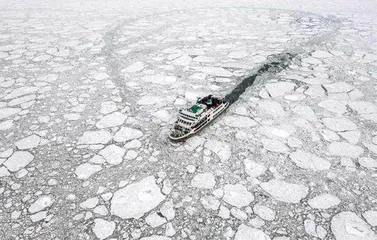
274, 64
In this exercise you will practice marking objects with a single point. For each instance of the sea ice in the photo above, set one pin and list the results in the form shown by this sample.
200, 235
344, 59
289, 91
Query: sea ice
102, 228
254, 169
125, 134
111, 120
237, 195
95, 137
284, 191
31, 141
345, 149
309, 161
339, 124
324, 201
18, 160
349, 226
204, 180
136, 199
249, 233
41, 203
85, 170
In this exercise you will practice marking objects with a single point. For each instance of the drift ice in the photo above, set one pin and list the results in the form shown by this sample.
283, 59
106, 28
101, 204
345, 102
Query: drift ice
193, 119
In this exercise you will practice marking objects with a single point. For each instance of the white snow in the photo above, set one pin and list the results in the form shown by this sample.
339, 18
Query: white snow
371, 217
154, 220
41, 203
333, 106
149, 100
18, 92
113, 154
351, 136
95, 137
111, 120
345, 149
5, 125
349, 226
135, 67
85, 170
4, 172
237, 195
167, 210
339, 124
368, 162
155, 237
249, 233
210, 202
125, 134
136, 199
101, 76
285, 191
204, 180
7, 112
362, 107
163, 115
274, 145
264, 212
310, 161
183, 60
254, 169
108, 107
321, 54
221, 149
224, 212
217, 71
324, 201
38, 216
272, 108
238, 213
18, 160
239, 121
28, 142
89, 203
338, 87
160, 79
102, 228
238, 54
279, 88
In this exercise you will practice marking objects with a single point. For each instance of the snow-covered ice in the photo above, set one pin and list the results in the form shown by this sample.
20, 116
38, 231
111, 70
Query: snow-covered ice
285, 191
237, 195
136, 199
90, 90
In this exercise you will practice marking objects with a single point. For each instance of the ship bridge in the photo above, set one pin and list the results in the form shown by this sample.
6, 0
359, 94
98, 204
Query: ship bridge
189, 117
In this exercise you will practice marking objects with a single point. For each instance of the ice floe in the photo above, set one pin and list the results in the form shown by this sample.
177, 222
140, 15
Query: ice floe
247, 233
349, 226
136, 199
285, 191
18, 160
324, 201
95, 137
237, 195
310, 161
85, 170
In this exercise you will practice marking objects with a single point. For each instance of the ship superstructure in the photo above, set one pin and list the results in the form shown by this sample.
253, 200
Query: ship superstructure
193, 119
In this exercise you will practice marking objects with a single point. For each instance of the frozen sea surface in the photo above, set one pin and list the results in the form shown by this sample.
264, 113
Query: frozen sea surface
89, 90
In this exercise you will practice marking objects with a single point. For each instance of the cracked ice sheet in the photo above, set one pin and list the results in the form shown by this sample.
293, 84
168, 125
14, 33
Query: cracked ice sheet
65, 74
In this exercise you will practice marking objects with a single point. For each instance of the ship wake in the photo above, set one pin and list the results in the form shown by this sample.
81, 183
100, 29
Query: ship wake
275, 64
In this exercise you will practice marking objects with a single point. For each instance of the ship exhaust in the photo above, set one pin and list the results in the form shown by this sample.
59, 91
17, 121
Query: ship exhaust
275, 64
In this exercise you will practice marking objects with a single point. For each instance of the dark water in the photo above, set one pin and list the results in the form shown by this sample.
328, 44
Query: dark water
275, 64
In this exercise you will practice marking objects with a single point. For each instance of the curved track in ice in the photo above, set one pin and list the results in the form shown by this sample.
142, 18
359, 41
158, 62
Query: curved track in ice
86, 100
187, 53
